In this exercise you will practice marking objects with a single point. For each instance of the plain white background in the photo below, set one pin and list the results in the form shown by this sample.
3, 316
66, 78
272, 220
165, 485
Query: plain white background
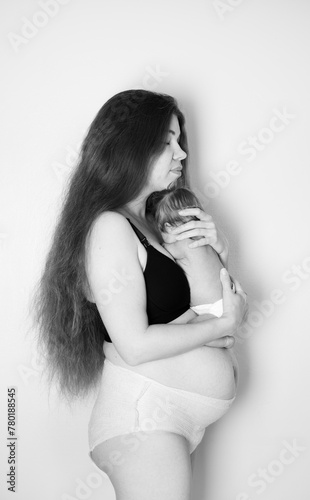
236, 67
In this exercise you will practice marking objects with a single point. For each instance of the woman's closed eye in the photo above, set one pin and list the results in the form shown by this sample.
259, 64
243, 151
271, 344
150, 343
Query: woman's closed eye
178, 141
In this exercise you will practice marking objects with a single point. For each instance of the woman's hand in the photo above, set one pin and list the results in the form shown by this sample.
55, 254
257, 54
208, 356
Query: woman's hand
223, 342
235, 310
235, 306
205, 228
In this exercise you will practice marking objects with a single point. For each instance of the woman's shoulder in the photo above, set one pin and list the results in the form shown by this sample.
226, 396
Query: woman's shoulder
109, 215
110, 218
111, 247
111, 224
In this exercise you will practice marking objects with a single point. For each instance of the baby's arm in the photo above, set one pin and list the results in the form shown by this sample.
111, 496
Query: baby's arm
202, 271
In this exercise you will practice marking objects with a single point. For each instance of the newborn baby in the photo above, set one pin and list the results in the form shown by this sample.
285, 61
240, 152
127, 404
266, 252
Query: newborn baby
201, 264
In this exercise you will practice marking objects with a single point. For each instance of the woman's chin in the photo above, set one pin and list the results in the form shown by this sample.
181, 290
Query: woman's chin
172, 185
169, 184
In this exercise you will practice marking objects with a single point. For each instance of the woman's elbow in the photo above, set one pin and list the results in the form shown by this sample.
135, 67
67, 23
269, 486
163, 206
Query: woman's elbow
132, 359
137, 357
132, 354
128, 356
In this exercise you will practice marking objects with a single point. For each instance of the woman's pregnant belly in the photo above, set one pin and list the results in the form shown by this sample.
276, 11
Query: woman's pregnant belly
209, 371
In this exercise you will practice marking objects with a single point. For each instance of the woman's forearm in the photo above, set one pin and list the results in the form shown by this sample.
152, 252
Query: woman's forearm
167, 340
201, 317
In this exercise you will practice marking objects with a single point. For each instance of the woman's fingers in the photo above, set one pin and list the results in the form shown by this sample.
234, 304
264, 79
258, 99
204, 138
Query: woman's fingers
225, 279
246, 311
234, 301
203, 229
227, 342
238, 286
233, 286
196, 211
239, 289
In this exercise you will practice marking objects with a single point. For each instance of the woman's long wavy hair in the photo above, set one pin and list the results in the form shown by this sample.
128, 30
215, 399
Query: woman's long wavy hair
126, 136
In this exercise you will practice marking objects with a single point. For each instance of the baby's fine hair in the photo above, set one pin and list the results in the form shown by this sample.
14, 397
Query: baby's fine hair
163, 206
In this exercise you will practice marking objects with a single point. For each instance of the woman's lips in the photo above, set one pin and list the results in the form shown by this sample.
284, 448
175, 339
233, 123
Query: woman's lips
176, 170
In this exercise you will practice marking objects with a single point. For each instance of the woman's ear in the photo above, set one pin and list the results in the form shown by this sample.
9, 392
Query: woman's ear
167, 226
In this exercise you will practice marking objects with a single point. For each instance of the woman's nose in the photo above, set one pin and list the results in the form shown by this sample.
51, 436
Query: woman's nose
179, 154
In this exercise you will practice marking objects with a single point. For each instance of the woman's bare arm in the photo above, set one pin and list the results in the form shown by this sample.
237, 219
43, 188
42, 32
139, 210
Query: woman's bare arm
117, 283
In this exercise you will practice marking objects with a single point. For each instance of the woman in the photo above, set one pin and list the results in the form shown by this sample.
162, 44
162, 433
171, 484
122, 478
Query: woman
164, 373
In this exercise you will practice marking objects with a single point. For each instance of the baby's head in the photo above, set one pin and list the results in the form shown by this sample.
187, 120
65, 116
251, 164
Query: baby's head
163, 207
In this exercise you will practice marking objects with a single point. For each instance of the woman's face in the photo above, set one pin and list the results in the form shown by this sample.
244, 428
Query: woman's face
167, 167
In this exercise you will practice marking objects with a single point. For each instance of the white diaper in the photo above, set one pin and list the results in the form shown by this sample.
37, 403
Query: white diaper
216, 308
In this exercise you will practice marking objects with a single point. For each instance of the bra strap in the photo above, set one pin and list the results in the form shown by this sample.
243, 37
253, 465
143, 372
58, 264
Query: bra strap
141, 236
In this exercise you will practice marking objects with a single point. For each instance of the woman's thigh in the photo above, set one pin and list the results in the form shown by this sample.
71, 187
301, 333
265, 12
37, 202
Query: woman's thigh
153, 465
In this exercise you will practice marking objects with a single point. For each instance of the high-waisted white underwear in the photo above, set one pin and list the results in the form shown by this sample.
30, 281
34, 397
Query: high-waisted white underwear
129, 402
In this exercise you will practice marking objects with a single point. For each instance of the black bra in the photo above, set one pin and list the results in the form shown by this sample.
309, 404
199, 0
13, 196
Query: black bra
167, 287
